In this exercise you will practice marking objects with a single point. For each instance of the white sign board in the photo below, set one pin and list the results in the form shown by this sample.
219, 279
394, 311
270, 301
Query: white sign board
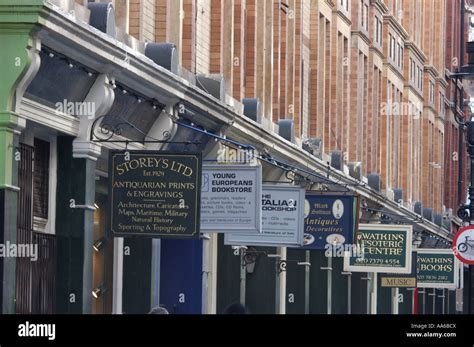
282, 219
231, 198
437, 268
385, 248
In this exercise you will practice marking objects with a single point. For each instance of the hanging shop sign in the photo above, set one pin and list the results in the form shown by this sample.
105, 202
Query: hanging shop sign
329, 219
437, 268
282, 219
463, 244
155, 194
401, 280
231, 198
385, 248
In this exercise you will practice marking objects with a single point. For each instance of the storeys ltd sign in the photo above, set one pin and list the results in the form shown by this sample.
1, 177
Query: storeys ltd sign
155, 194
385, 248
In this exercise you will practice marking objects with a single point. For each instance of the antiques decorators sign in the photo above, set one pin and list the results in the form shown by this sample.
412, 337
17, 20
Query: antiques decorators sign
330, 219
155, 194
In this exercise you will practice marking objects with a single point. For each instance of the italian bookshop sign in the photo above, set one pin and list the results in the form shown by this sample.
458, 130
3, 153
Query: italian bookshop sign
231, 199
282, 219
155, 194
385, 248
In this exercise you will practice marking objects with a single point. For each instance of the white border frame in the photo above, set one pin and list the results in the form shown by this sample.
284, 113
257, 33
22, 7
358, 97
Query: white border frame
455, 269
257, 227
364, 268
263, 242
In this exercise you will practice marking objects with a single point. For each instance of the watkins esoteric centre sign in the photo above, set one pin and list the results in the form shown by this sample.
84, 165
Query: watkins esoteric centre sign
154, 194
385, 248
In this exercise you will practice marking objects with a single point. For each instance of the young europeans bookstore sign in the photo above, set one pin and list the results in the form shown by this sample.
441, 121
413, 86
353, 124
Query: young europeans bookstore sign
231, 198
155, 194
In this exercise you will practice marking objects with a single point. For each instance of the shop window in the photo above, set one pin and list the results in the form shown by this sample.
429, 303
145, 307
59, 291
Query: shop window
41, 183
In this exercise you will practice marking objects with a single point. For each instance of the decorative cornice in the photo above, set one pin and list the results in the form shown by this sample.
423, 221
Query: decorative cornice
411, 45
330, 3
377, 50
49, 117
388, 18
33, 53
363, 35
410, 87
432, 71
430, 107
443, 83
101, 96
21, 13
379, 5
343, 15
395, 69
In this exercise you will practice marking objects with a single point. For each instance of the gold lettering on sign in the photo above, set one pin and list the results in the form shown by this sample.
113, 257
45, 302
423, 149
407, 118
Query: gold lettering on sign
398, 282
154, 194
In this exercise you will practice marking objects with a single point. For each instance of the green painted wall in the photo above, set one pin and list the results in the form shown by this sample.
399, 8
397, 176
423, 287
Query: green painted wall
384, 299
339, 287
439, 301
318, 283
359, 290
260, 289
18, 19
429, 301
406, 307
451, 302
74, 230
295, 282
228, 276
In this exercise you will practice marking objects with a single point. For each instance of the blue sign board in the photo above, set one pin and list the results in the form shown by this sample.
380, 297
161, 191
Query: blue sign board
329, 219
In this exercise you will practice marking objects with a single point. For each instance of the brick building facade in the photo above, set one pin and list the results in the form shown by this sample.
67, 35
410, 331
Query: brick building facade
352, 93
366, 77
